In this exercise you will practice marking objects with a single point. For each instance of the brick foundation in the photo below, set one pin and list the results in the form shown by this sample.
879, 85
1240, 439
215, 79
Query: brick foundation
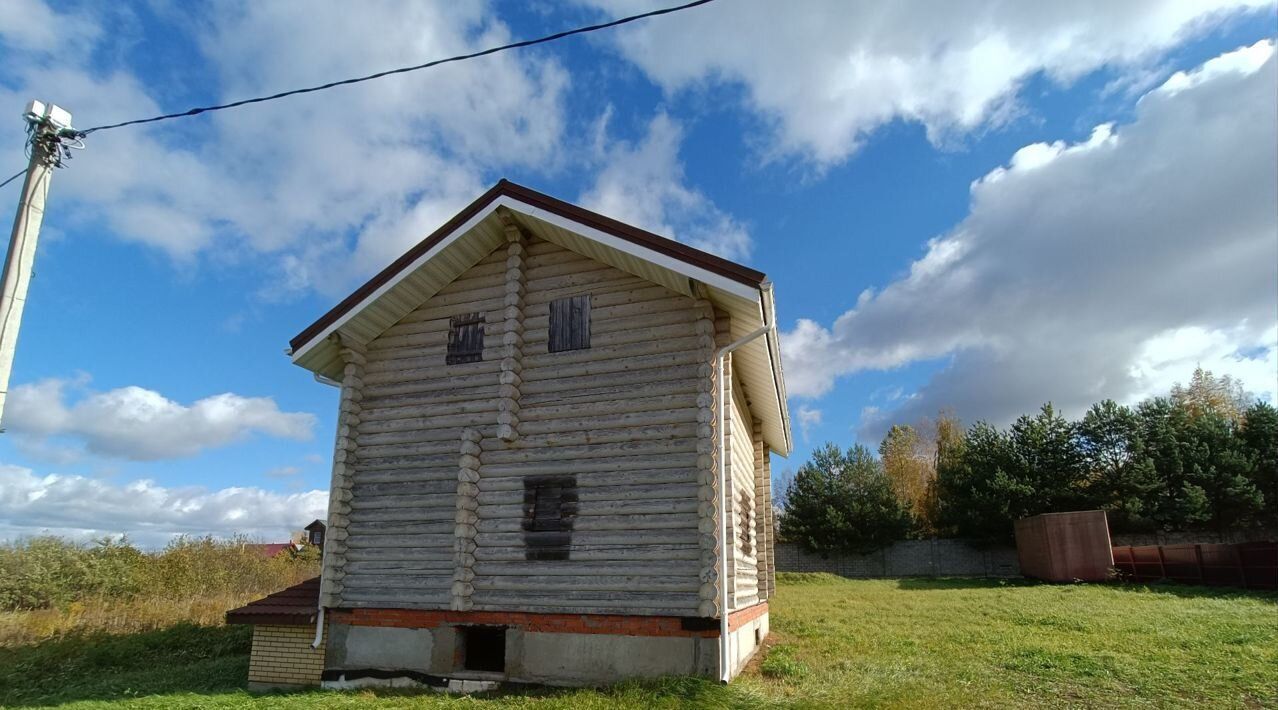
282, 657
618, 624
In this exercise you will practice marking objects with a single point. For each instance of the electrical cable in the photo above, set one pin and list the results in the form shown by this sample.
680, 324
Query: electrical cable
401, 70
13, 177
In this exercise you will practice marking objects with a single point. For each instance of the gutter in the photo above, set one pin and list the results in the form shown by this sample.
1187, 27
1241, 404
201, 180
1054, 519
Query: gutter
729, 496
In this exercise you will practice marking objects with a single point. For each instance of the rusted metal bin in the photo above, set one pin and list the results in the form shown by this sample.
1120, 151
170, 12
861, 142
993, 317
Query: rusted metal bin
1065, 547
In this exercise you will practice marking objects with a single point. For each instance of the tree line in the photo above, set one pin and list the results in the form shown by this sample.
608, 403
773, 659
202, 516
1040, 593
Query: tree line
1203, 457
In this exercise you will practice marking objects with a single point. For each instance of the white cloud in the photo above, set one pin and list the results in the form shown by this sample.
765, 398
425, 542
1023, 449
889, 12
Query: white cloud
80, 507
1106, 268
139, 424
332, 186
643, 184
808, 417
823, 74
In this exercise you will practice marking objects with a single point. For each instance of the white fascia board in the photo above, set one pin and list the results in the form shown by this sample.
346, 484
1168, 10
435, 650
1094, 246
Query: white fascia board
680, 267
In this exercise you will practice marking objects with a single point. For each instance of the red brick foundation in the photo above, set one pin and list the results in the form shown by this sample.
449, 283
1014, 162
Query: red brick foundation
618, 624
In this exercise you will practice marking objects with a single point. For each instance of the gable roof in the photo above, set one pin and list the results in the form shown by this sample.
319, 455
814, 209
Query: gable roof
742, 292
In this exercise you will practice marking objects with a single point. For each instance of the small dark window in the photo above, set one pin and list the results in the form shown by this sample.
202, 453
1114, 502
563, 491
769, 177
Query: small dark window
317, 537
570, 323
746, 513
465, 338
483, 648
550, 504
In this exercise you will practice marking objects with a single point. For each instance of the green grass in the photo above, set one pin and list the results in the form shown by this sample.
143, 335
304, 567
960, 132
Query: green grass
835, 643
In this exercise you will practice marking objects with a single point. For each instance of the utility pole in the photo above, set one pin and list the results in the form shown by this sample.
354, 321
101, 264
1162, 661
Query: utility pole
47, 126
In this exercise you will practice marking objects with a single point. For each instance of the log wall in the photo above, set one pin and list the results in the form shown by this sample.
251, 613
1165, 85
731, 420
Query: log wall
439, 454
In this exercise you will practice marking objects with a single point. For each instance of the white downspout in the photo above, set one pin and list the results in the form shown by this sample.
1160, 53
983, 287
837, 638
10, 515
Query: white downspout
729, 498
319, 617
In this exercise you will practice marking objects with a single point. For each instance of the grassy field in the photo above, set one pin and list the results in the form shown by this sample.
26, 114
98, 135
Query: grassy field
835, 643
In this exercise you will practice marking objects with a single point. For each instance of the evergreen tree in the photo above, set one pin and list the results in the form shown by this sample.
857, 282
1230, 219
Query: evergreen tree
841, 502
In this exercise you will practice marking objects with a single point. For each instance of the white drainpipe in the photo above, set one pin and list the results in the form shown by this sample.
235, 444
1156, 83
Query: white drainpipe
729, 498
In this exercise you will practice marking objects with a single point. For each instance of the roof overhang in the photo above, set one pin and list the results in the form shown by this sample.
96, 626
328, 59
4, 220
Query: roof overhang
743, 293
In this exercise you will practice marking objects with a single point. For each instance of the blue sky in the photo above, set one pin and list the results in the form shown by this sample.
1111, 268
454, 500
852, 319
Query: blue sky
947, 160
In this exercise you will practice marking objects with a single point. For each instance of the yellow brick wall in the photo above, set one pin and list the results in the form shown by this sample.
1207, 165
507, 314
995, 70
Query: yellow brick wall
282, 656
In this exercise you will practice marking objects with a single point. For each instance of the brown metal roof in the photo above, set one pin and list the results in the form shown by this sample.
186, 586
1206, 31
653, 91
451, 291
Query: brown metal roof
295, 606
669, 247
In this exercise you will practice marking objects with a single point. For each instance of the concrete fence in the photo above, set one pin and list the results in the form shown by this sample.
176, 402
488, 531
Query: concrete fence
907, 558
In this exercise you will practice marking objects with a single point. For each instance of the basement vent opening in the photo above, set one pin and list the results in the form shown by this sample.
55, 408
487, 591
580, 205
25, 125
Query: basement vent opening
465, 339
550, 505
483, 648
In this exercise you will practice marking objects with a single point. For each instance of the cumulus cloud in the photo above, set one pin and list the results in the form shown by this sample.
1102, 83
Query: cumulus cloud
151, 515
808, 417
643, 184
331, 186
139, 424
1104, 268
825, 73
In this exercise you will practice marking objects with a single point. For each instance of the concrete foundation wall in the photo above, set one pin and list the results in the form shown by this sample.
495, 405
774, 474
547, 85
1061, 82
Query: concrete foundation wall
907, 558
392, 647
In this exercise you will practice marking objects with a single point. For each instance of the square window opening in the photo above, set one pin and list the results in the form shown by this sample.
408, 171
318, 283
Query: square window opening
465, 339
569, 324
483, 648
550, 505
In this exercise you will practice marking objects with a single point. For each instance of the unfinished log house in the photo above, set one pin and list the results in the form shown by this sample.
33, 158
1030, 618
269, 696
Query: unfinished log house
546, 465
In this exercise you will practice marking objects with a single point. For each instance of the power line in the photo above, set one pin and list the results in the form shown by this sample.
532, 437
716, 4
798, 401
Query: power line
402, 70
13, 177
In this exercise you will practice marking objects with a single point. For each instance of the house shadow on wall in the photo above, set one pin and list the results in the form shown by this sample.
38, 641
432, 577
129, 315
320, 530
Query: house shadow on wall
169, 665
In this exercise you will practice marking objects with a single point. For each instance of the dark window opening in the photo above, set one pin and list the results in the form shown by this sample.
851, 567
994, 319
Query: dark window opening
465, 338
317, 537
550, 505
570, 323
746, 513
483, 648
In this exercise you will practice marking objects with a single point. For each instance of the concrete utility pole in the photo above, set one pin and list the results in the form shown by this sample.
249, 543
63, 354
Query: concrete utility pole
47, 126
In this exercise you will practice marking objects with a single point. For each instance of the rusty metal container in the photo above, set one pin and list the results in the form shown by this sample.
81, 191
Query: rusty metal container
1065, 547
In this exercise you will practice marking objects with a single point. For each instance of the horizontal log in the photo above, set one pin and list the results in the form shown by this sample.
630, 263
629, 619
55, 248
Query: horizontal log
665, 362
661, 483
575, 568
423, 582
512, 495
619, 418
400, 462
640, 400
405, 555
594, 283
413, 541
622, 539
405, 598
650, 293
418, 514
422, 448
600, 553
454, 376
541, 359
401, 528
634, 434
629, 461
408, 475
586, 381
605, 393
586, 511
447, 393
584, 583
587, 523
574, 453
401, 567
362, 488
387, 502
619, 312
592, 598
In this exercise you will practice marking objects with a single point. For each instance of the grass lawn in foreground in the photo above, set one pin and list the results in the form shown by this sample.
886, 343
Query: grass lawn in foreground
835, 643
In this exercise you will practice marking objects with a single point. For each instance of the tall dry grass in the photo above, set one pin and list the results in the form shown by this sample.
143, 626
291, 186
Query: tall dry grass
53, 587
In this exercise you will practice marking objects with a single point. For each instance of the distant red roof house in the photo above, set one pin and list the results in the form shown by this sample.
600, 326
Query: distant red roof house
295, 606
271, 549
